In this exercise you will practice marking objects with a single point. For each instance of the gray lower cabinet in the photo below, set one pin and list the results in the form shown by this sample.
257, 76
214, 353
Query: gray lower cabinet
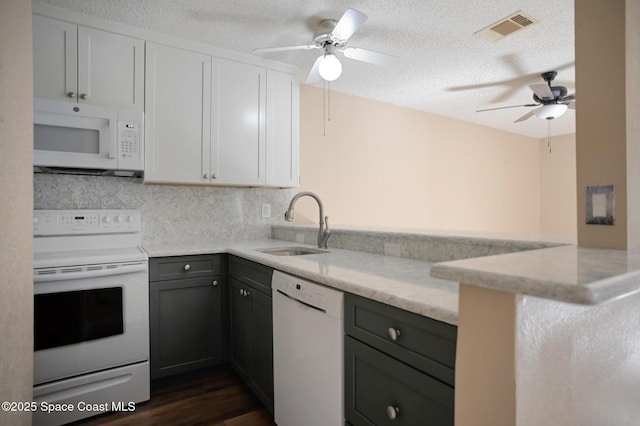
399, 366
251, 326
186, 296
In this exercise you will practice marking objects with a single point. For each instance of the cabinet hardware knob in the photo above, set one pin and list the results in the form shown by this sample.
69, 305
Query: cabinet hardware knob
215, 283
187, 267
392, 412
242, 292
71, 95
246, 293
84, 96
393, 333
206, 176
214, 176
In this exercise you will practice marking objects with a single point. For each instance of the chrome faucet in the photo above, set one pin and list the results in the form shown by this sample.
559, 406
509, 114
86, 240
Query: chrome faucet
323, 232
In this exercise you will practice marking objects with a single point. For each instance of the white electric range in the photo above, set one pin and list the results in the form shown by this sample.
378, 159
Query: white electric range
91, 313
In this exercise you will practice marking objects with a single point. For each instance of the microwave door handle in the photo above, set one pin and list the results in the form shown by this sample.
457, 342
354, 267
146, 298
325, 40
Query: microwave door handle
113, 138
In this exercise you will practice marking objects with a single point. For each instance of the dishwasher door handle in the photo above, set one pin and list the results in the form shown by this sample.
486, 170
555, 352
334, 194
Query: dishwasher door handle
301, 302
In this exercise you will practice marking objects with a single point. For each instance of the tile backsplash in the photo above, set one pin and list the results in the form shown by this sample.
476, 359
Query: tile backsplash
170, 214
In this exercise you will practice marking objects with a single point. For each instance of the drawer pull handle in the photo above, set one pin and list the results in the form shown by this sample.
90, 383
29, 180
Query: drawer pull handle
392, 412
187, 267
215, 283
393, 333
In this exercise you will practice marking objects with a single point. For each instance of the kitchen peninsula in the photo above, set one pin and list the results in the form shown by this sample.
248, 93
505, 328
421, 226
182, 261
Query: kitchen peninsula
555, 332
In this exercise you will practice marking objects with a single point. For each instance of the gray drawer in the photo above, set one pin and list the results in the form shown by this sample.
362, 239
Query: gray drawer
178, 267
376, 383
422, 342
251, 273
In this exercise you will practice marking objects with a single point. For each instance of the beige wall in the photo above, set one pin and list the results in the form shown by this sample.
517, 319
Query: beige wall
601, 115
387, 166
16, 285
485, 354
632, 17
558, 209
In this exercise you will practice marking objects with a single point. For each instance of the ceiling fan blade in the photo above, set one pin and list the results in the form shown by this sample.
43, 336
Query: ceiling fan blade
369, 56
571, 97
512, 106
314, 72
348, 24
284, 48
525, 117
542, 91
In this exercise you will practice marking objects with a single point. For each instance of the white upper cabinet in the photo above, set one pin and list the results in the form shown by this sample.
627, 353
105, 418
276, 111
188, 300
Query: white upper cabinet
178, 114
81, 64
282, 129
238, 117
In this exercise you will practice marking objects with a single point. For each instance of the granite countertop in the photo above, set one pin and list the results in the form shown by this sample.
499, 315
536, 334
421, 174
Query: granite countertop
404, 283
568, 274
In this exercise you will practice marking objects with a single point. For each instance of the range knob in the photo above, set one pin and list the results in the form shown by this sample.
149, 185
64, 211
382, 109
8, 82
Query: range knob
130, 219
106, 219
118, 219
36, 219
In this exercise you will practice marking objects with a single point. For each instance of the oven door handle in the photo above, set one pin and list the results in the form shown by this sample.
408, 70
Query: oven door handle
69, 274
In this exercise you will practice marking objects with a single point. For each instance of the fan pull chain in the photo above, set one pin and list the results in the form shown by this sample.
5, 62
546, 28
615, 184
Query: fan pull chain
326, 105
329, 96
324, 108
549, 135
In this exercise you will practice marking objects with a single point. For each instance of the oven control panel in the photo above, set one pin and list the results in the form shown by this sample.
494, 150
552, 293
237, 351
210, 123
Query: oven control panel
79, 222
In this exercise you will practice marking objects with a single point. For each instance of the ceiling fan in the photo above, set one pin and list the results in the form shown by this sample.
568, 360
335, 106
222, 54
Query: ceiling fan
552, 101
331, 37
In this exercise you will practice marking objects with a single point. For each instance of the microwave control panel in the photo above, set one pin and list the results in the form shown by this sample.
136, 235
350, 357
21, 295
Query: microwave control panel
130, 149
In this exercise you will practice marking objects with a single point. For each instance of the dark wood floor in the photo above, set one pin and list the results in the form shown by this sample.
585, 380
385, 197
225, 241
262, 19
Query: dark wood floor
214, 397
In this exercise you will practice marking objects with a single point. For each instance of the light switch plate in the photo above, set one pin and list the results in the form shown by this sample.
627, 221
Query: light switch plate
600, 205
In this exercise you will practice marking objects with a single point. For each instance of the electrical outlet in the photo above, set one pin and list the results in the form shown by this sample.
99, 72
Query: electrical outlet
266, 210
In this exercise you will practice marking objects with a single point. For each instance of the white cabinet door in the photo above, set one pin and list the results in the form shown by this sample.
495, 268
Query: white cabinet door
178, 114
81, 64
238, 136
55, 54
110, 69
282, 129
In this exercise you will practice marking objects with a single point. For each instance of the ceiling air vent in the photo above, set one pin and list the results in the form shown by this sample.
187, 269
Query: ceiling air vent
505, 27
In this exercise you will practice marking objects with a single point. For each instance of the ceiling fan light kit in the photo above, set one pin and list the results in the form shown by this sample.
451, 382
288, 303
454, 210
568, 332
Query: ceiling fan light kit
330, 67
551, 111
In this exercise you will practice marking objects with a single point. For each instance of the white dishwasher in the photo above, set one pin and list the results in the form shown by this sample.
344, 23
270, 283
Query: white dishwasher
308, 353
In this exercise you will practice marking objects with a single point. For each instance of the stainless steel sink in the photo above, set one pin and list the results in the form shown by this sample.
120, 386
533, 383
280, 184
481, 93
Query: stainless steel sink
291, 251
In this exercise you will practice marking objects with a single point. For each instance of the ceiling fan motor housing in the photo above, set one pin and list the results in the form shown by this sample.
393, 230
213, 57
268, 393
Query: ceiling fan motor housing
322, 36
559, 92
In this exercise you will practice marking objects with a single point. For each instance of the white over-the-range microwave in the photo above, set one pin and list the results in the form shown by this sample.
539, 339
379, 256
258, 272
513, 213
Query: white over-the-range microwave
74, 136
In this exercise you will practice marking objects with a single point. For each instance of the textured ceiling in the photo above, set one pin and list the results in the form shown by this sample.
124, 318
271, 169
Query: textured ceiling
443, 68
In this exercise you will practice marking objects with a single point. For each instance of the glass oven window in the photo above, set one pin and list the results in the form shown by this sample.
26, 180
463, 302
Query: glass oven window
77, 316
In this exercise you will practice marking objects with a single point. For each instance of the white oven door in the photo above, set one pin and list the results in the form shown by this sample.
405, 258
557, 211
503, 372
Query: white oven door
90, 318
